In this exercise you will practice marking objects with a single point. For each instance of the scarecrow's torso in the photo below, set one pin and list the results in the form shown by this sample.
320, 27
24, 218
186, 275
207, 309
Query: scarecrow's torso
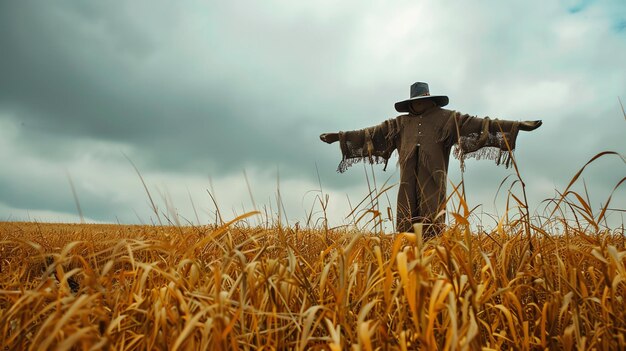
421, 136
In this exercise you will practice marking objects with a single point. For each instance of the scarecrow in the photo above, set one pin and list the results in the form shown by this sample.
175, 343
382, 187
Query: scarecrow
424, 137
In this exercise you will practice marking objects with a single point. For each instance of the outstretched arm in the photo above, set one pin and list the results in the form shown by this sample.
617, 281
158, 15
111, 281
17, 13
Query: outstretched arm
467, 125
374, 144
484, 138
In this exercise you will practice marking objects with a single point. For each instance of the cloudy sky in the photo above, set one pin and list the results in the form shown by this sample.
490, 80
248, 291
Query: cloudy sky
196, 92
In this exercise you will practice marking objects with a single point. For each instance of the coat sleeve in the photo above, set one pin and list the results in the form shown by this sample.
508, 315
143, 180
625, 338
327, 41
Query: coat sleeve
374, 144
479, 138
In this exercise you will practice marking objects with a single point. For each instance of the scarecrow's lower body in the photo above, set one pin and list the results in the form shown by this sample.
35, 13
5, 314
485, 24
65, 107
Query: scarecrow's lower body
431, 224
421, 200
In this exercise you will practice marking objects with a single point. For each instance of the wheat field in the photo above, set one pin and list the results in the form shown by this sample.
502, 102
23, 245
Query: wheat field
533, 282
143, 287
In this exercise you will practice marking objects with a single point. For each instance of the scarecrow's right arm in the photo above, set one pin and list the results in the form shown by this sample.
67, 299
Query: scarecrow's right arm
374, 144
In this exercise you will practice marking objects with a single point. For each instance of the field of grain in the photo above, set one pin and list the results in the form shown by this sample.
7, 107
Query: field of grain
555, 281
234, 287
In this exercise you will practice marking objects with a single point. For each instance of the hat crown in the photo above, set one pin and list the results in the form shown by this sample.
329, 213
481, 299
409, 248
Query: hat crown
419, 89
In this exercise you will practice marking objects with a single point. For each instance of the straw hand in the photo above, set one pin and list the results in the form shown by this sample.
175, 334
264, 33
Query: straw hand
530, 125
329, 137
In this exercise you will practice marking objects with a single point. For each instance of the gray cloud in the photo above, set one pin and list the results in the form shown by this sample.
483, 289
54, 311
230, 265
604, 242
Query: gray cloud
94, 74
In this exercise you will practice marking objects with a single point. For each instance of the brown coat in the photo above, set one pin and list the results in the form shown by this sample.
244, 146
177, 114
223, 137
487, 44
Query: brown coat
424, 143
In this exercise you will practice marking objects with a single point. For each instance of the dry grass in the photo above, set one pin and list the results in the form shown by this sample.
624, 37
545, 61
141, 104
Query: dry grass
531, 283
144, 287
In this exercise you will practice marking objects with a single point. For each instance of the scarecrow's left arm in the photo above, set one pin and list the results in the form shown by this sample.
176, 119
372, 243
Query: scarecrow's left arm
484, 137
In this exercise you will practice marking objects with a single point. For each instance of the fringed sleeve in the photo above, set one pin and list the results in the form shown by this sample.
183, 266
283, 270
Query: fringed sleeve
374, 144
481, 138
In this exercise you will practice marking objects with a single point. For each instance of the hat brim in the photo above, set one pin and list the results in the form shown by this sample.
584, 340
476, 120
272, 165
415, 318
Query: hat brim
440, 100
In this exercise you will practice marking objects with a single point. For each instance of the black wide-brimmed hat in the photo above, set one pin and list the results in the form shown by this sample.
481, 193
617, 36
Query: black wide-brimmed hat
419, 91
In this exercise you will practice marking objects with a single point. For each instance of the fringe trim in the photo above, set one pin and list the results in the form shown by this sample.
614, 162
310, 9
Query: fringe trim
348, 162
501, 157
497, 146
352, 154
